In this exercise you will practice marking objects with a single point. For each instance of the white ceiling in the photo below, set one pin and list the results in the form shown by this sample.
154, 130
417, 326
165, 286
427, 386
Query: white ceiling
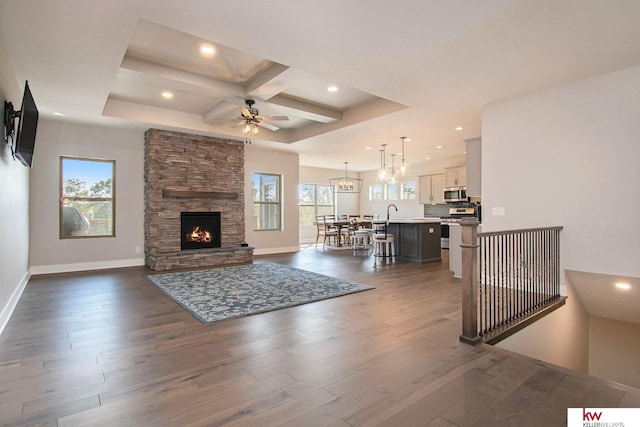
415, 68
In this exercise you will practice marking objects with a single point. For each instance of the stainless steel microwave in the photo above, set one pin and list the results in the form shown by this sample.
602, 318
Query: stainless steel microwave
455, 194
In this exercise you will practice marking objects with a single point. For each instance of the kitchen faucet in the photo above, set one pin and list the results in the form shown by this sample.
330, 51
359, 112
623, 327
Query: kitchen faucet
388, 210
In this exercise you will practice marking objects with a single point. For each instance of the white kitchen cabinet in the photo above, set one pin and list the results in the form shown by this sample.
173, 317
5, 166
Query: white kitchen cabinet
455, 177
474, 167
431, 189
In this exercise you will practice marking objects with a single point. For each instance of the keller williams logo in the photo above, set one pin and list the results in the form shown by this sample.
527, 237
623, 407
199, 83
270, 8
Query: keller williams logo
590, 416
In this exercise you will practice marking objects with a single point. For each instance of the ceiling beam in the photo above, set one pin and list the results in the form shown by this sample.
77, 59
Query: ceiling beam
263, 85
299, 108
221, 113
212, 86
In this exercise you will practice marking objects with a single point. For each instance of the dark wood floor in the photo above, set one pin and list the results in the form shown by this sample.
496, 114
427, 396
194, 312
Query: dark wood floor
106, 348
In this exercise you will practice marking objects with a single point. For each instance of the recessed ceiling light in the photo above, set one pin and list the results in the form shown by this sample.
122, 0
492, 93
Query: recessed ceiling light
167, 95
428, 158
439, 146
459, 128
368, 148
332, 88
623, 286
207, 50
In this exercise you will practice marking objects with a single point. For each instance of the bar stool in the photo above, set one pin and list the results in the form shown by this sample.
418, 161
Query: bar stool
383, 243
360, 240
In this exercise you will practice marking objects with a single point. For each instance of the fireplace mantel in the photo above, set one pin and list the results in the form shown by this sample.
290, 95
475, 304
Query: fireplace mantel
186, 194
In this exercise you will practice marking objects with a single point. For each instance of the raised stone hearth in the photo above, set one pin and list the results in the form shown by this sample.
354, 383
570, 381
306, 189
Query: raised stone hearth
192, 173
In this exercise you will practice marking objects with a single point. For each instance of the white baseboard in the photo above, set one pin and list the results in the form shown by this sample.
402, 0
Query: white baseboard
7, 310
84, 266
266, 251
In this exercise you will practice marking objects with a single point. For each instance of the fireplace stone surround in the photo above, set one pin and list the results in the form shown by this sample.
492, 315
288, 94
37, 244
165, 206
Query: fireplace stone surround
192, 173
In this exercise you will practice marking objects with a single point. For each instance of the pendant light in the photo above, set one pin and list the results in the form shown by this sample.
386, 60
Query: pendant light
405, 169
383, 172
393, 176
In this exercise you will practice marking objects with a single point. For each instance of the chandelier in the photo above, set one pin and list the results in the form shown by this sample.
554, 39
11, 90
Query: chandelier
345, 184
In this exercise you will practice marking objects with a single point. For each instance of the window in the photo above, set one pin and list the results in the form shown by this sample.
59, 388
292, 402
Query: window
266, 202
314, 199
87, 198
408, 191
391, 191
375, 192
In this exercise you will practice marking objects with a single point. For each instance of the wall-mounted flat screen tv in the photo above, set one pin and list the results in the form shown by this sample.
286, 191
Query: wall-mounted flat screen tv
27, 126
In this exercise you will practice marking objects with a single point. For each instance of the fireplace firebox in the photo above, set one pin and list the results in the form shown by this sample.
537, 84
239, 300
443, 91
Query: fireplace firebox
200, 230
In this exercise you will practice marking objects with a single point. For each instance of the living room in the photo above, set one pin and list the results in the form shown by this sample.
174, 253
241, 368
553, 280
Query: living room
563, 151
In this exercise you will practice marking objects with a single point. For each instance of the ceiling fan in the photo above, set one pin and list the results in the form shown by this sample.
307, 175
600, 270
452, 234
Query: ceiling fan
250, 118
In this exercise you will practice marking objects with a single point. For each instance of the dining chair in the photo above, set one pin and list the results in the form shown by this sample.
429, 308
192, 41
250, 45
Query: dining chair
326, 231
367, 220
343, 229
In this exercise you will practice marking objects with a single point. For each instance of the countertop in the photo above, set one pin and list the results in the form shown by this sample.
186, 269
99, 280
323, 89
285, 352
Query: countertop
414, 220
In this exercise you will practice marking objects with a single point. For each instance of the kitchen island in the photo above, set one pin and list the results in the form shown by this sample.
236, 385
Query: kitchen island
416, 240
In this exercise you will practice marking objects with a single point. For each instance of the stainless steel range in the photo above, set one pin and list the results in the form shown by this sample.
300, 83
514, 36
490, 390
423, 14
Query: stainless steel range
455, 214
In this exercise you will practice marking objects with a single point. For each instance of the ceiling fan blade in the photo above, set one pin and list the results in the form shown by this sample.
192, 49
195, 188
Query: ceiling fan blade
245, 112
273, 118
268, 126
239, 124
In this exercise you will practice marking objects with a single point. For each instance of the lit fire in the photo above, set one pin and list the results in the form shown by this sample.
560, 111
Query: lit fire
198, 235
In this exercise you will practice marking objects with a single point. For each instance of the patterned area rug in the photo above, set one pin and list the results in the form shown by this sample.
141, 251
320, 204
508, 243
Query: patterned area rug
228, 292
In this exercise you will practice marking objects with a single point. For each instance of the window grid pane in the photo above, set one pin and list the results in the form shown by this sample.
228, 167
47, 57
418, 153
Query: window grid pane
320, 203
408, 191
87, 188
266, 202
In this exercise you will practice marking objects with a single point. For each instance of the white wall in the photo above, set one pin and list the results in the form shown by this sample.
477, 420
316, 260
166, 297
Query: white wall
287, 165
614, 346
14, 203
569, 156
14, 226
48, 252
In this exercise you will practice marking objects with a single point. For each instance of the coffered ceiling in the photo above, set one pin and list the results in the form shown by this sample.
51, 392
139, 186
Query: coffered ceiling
415, 68
212, 81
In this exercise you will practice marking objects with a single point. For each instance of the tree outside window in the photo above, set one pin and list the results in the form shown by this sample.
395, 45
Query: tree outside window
408, 191
266, 202
313, 200
87, 198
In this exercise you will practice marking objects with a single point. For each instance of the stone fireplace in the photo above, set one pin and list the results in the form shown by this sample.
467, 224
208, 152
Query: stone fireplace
191, 176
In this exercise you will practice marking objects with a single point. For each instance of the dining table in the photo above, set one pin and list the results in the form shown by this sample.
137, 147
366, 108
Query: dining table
351, 224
